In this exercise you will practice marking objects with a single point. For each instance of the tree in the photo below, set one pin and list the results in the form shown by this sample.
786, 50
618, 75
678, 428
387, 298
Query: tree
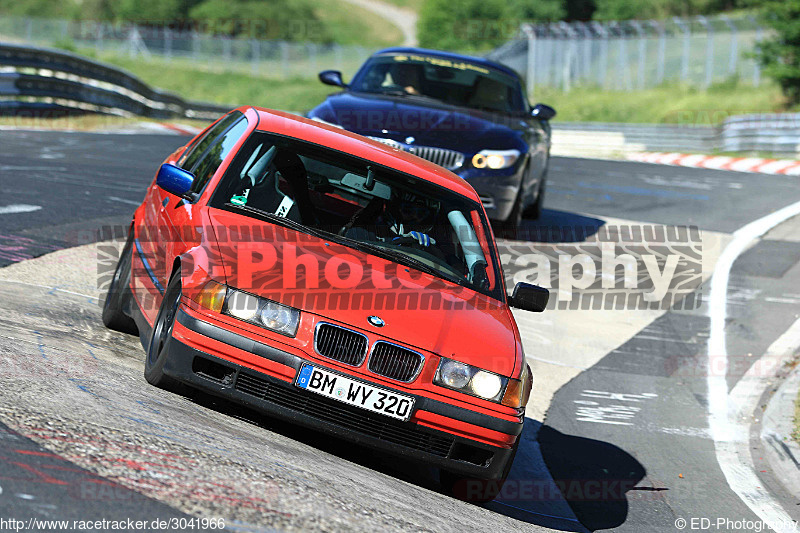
468, 25
780, 55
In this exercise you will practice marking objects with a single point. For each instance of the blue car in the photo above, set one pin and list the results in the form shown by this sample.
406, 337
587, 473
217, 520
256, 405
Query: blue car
467, 114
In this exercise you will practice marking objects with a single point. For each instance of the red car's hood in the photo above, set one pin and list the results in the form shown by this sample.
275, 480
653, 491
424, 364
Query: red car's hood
349, 286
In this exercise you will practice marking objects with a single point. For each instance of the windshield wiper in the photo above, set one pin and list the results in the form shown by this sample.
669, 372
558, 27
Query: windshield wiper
386, 253
408, 261
287, 222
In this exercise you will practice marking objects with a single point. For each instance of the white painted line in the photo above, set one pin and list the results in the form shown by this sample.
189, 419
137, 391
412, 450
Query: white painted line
728, 437
124, 201
18, 208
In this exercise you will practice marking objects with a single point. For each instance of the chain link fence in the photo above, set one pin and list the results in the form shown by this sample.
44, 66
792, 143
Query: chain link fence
634, 55
269, 59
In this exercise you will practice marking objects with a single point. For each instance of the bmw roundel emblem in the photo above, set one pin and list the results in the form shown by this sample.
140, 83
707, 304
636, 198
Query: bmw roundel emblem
376, 321
410, 140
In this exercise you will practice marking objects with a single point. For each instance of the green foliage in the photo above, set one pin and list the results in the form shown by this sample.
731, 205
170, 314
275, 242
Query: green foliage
479, 24
659, 9
780, 55
276, 19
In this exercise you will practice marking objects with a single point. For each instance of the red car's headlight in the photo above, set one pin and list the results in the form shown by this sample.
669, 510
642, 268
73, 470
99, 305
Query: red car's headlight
262, 312
470, 380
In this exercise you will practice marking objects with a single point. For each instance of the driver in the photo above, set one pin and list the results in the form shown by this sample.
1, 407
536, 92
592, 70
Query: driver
406, 76
406, 218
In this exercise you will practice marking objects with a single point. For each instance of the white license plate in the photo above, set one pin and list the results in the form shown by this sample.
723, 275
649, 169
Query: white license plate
357, 393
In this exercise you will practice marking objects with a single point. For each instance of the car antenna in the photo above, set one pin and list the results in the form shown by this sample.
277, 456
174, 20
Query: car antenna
370, 183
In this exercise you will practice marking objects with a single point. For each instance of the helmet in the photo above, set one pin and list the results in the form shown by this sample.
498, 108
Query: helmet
415, 211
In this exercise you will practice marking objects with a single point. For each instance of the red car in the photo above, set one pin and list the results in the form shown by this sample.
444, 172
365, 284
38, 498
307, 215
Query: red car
330, 280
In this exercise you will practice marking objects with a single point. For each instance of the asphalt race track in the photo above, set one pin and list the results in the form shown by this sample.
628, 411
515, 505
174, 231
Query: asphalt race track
618, 435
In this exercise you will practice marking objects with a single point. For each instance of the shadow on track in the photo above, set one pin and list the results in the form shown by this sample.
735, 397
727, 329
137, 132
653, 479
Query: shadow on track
593, 476
553, 227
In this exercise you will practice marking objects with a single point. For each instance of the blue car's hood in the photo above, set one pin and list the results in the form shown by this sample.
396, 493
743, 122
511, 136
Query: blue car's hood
429, 123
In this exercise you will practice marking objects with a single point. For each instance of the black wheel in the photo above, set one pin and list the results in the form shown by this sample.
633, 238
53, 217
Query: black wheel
119, 293
476, 490
534, 211
507, 229
158, 348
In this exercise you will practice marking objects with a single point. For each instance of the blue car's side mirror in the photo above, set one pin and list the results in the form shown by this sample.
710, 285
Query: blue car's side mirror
543, 112
332, 77
174, 180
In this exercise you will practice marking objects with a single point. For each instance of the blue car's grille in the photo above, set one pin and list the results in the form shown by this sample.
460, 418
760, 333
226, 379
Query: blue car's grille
449, 159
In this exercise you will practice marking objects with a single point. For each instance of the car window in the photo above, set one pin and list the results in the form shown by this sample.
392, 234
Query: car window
189, 160
459, 83
208, 164
364, 205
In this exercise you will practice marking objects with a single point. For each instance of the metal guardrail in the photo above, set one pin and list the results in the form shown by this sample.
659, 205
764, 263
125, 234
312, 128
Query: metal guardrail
774, 133
36, 80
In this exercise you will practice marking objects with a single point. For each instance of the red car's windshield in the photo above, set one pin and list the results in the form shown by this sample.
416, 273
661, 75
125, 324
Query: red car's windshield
363, 204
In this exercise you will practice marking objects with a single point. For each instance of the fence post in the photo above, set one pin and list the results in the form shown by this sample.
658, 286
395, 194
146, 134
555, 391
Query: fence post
570, 59
167, 43
660, 29
756, 64
602, 66
28, 30
709, 50
195, 45
687, 37
255, 53
530, 73
640, 34
337, 53
734, 44
98, 37
285, 58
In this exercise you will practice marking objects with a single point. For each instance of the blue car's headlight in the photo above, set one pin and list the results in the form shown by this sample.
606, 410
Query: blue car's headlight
495, 159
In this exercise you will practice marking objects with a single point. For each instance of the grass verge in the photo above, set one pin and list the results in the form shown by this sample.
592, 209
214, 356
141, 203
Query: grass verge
195, 83
670, 104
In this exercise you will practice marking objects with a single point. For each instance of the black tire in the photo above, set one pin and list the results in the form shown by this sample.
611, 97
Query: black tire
476, 490
508, 228
158, 348
534, 211
119, 294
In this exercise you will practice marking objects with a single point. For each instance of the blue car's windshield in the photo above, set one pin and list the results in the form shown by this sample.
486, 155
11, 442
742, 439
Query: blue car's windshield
459, 83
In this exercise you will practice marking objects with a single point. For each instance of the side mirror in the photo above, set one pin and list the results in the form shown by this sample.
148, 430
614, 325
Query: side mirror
332, 77
543, 112
174, 180
529, 297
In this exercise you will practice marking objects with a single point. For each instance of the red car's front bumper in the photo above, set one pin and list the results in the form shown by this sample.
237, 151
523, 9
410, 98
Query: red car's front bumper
447, 436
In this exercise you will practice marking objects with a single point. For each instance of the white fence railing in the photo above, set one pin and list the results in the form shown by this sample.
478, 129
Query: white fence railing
632, 55
270, 59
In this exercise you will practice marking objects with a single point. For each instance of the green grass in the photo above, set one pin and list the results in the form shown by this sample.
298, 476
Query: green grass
671, 104
351, 24
294, 94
